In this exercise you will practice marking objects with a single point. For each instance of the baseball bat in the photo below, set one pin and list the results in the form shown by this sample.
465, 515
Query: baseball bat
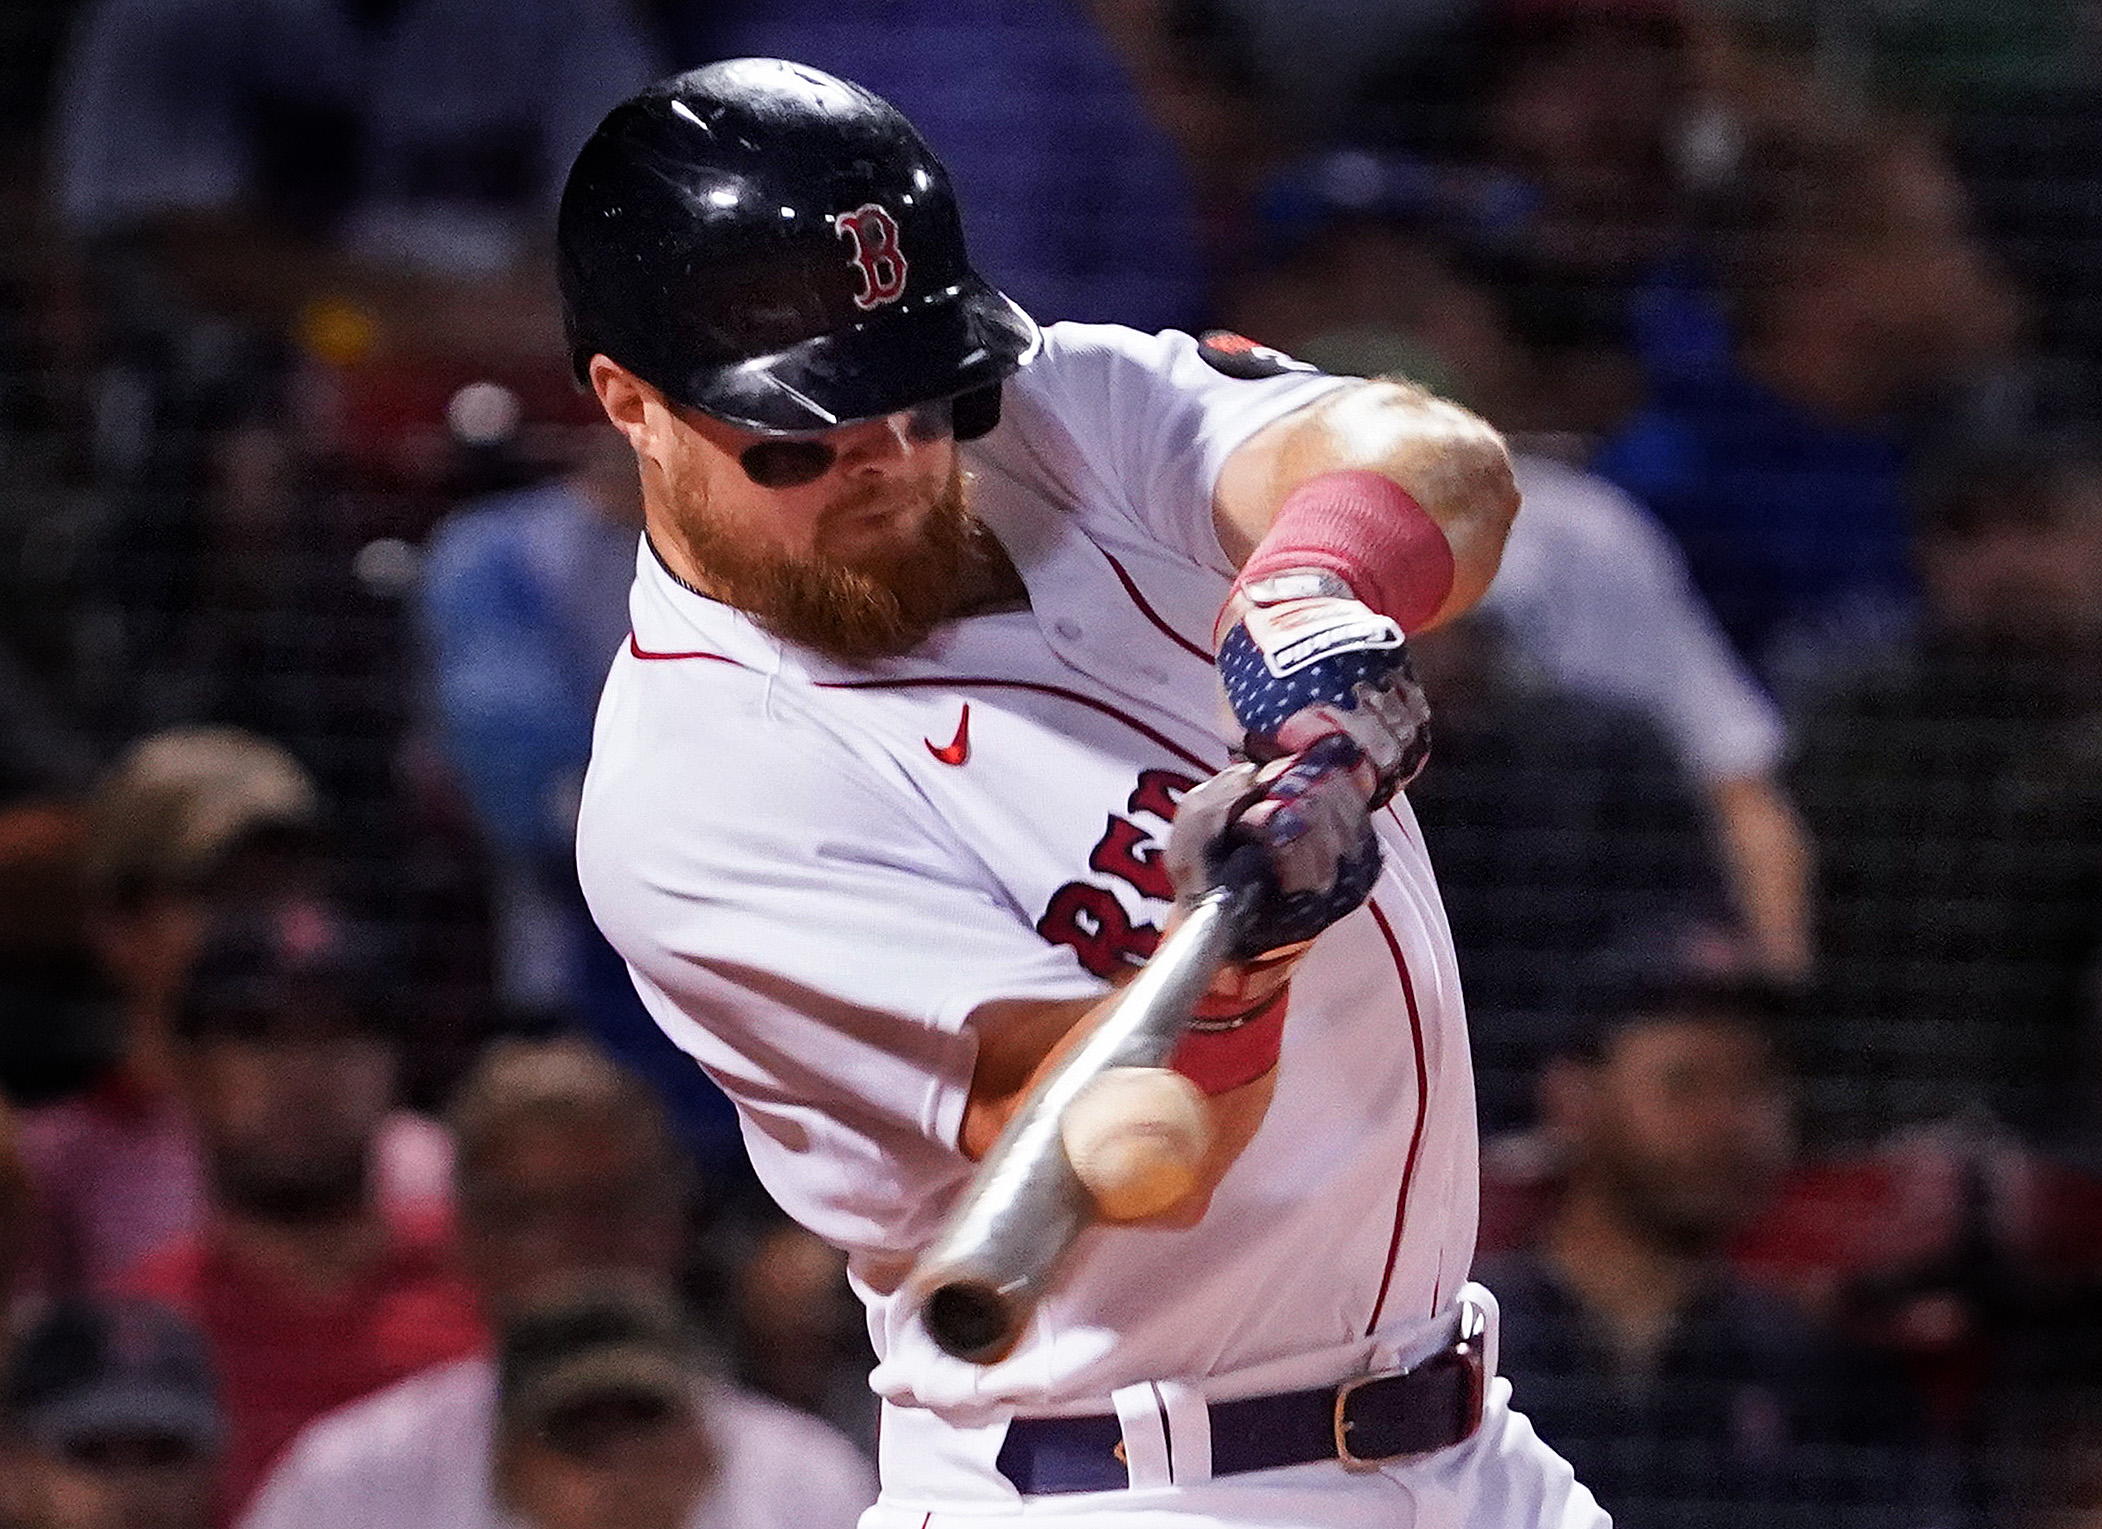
977, 1284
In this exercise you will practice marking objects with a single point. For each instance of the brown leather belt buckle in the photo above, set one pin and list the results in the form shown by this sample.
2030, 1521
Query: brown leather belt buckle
1463, 1362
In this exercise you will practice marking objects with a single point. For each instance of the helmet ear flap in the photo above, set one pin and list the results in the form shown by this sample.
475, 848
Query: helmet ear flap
975, 413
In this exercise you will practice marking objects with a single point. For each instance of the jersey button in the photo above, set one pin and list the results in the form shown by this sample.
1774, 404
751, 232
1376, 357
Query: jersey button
1067, 628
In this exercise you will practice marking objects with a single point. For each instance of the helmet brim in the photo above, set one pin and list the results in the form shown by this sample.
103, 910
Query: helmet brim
947, 342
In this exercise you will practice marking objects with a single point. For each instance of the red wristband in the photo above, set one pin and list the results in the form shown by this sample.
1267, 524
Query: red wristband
1372, 534
1222, 1053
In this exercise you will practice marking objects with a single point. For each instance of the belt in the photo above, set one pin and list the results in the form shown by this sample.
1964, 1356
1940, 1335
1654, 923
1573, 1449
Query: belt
1366, 1422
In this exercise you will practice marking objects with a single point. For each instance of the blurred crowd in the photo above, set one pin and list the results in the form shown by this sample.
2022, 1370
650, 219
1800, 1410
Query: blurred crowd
343, 1179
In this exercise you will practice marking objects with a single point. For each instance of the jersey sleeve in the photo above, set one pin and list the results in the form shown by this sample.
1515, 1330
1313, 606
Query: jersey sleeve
1146, 423
805, 929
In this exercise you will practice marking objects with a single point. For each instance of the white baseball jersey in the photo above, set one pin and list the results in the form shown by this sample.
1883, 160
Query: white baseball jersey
819, 873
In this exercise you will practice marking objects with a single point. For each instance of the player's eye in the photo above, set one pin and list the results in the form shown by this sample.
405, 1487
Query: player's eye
787, 464
791, 463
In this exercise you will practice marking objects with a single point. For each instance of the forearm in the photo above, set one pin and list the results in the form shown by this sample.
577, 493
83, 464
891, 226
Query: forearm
1022, 1044
1451, 462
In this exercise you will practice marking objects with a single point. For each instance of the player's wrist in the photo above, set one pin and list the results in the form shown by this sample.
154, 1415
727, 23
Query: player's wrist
1236, 1030
1367, 532
1263, 973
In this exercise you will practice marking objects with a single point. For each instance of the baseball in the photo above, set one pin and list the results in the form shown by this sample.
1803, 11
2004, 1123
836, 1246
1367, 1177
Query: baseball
1136, 1137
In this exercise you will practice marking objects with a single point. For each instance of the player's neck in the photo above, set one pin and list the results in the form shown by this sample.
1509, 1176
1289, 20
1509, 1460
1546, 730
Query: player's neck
988, 579
1632, 1283
674, 560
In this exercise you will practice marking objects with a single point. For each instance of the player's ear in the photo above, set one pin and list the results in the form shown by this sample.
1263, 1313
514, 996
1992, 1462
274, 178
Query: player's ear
626, 398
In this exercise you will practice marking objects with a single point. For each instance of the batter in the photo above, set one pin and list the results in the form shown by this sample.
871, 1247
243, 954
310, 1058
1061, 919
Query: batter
885, 791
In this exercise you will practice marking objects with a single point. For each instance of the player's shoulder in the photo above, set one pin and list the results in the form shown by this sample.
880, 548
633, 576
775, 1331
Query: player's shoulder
698, 753
1071, 343
1078, 348
665, 707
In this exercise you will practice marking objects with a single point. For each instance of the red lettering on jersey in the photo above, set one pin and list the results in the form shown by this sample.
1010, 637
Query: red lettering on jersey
878, 259
1091, 921
1127, 851
1158, 793
1089, 918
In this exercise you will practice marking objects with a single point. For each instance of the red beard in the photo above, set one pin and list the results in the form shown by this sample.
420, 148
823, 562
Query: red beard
877, 604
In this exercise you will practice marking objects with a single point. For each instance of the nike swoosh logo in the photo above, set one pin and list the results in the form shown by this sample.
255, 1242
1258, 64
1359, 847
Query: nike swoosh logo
957, 749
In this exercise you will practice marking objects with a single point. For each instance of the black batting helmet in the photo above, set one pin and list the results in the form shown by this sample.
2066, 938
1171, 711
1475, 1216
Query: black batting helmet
780, 249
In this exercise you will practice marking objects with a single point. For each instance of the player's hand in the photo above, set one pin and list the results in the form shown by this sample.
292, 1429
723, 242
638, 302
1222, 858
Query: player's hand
1301, 660
1308, 813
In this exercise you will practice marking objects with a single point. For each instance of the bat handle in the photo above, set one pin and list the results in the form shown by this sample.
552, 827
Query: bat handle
1242, 881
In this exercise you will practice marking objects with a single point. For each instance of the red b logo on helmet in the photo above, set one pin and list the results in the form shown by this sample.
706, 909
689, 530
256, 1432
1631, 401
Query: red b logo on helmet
877, 259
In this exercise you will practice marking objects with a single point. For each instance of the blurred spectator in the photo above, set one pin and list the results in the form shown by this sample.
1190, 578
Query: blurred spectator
308, 226
193, 826
1595, 593
801, 1336
1950, 52
112, 1421
524, 601
1560, 823
2045, 1418
58, 1026
1777, 452
1955, 788
602, 1423
1329, 68
1680, 1393
14, 1212
312, 1290
568, 1181
1590, 102
396, 161
1079, 206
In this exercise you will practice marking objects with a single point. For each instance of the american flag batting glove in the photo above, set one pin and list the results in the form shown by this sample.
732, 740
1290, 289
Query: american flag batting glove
1308, 813
1302, 660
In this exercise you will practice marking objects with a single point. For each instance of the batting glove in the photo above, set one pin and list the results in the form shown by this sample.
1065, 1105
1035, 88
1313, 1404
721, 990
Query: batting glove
1301, 660
1308, 814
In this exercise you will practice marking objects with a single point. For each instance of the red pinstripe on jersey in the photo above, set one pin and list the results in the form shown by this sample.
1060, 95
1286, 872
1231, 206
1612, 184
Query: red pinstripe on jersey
1408, 1171
636, 648
1131, 588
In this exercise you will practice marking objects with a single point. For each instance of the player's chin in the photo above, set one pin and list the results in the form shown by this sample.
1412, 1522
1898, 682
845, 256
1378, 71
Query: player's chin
875, 536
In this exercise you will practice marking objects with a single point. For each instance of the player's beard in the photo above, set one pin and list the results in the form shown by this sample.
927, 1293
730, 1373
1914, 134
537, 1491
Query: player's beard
877, 603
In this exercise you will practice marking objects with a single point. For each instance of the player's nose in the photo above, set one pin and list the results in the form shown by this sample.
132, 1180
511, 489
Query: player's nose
879, 445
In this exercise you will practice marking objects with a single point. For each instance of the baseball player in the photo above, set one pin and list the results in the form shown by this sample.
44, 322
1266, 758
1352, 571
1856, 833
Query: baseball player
917, 742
